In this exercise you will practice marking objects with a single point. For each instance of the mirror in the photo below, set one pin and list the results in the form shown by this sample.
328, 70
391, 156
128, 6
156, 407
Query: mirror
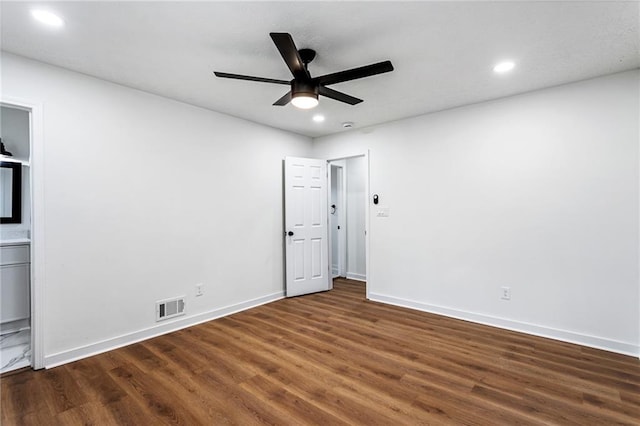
10, 192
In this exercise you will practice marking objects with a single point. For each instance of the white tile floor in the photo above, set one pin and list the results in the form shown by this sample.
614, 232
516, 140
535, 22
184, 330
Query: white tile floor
15, 350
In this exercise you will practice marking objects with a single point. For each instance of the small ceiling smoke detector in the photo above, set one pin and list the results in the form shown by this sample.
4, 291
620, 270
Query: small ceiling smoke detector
48, 18
347, 124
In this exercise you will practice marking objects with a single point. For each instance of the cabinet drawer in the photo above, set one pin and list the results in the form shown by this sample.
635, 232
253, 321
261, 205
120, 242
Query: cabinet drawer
14, 293
12, 255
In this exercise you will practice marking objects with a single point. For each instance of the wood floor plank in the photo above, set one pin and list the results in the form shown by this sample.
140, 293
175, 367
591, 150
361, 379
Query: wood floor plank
95, 383
126, 411
149, 391
92, 413
299, 411
64, 392
21, 395
333, 358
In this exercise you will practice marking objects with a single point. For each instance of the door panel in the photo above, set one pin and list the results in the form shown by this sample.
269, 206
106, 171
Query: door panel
298, 259
316, 258
306, 226
316, 202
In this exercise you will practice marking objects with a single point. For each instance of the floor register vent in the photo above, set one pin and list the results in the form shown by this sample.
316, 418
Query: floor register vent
169, 308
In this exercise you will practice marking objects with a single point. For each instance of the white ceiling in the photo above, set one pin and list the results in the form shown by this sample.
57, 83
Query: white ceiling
443, 52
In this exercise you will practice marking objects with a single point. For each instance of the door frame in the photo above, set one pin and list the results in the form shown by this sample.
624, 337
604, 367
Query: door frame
342, 217
37, 244
367, 215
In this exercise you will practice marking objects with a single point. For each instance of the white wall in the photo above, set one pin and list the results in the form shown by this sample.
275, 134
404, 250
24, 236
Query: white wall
538, 192
14, 131
145, 197
356, 184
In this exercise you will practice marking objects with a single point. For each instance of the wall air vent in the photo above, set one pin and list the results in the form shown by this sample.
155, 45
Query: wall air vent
169, 308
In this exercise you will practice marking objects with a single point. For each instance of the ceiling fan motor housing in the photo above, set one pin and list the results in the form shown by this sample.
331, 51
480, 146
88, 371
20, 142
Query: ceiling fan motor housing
304, 88
307, 55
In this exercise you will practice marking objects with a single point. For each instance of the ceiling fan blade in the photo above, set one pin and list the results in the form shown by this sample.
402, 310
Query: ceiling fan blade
289, 52
283, 100
250, 78
338, 96
354, 73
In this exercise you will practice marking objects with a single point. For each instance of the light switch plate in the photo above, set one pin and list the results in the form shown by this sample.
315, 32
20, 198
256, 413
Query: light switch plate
382, 212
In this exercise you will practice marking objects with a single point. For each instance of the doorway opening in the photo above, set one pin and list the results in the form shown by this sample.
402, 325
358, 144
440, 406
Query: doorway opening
21, 260
348, 202
15, 239
308, 211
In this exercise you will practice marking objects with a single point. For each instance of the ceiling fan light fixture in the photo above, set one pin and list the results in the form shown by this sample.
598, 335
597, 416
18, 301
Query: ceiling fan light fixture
304, 100
304, 95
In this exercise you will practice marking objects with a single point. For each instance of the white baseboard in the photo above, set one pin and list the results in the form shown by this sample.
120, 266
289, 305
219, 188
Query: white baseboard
357, 277
71, 355
536, 330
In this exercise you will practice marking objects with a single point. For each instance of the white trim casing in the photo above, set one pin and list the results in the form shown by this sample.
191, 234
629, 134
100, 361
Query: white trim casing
367, 228
342, 236
342, 239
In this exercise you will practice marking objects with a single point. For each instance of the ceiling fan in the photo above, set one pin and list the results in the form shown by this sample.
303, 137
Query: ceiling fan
304, 88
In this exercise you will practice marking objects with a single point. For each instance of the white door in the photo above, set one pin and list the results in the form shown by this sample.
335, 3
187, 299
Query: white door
306, 249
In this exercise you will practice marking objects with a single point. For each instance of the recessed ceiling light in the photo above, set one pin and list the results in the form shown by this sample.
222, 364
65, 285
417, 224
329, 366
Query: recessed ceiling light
47, 18
503, 67
318, 118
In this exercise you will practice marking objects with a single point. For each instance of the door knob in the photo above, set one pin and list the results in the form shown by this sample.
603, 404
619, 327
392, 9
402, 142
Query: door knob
290, 233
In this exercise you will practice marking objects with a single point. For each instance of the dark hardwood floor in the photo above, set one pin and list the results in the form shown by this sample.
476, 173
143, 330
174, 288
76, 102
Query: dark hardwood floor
332, 358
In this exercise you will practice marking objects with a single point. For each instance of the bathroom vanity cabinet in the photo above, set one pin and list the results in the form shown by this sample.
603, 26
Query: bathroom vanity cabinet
14, 285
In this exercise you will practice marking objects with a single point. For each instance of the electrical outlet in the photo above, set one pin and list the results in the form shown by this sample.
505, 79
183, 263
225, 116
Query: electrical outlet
199, 289
506, 293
